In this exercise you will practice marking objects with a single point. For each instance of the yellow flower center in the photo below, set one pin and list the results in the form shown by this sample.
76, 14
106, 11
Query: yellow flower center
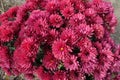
61, 48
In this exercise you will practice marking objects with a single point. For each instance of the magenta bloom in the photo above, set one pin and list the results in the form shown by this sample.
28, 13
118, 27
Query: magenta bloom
27, 53
79, 5
42, 74
6, 32
5, 59
59, 75
75, 75
51, 6
88, 59
115, 64
99, 74
84, 43
49, 38
84, 30
68, 35
90, 12
67, 12
10, 14
64, 4
105, 59
71, 63
21, 63
97, 20
60, 50
56, 20
30, 47
50, 62
99, 31
112, 21
103, 7
77, 19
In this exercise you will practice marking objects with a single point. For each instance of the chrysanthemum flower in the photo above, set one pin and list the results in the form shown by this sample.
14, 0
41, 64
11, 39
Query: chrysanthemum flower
98, 45
77, 19
76, 75
21, 63
5, 59
88, 59
59, 75
103, 7
51, 36
79, 6
103, 64
84, 30
10, 14
104, 59
88, 67
27, 53
39, 23
71, 63
99, 31
51, 6
99, 74
97, 20
68, 35
60, 50
90, 12
30, 47
84, 43
64, 3
50, 62
40, 26
67, 12
56, 20
22, 13
43, 74
112, 21
115, 64
40, 14
6, 32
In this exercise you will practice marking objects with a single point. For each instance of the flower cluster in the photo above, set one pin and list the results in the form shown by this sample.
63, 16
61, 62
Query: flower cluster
60, 40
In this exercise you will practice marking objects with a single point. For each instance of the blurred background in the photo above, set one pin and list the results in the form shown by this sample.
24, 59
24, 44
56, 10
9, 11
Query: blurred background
116, 4
6, 4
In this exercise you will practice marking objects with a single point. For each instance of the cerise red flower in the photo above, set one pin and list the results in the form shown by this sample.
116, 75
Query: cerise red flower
77, 19
60, 50
56, 20
42, 74
59, 75
67, 12
5, 59
49, 61
71, 63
